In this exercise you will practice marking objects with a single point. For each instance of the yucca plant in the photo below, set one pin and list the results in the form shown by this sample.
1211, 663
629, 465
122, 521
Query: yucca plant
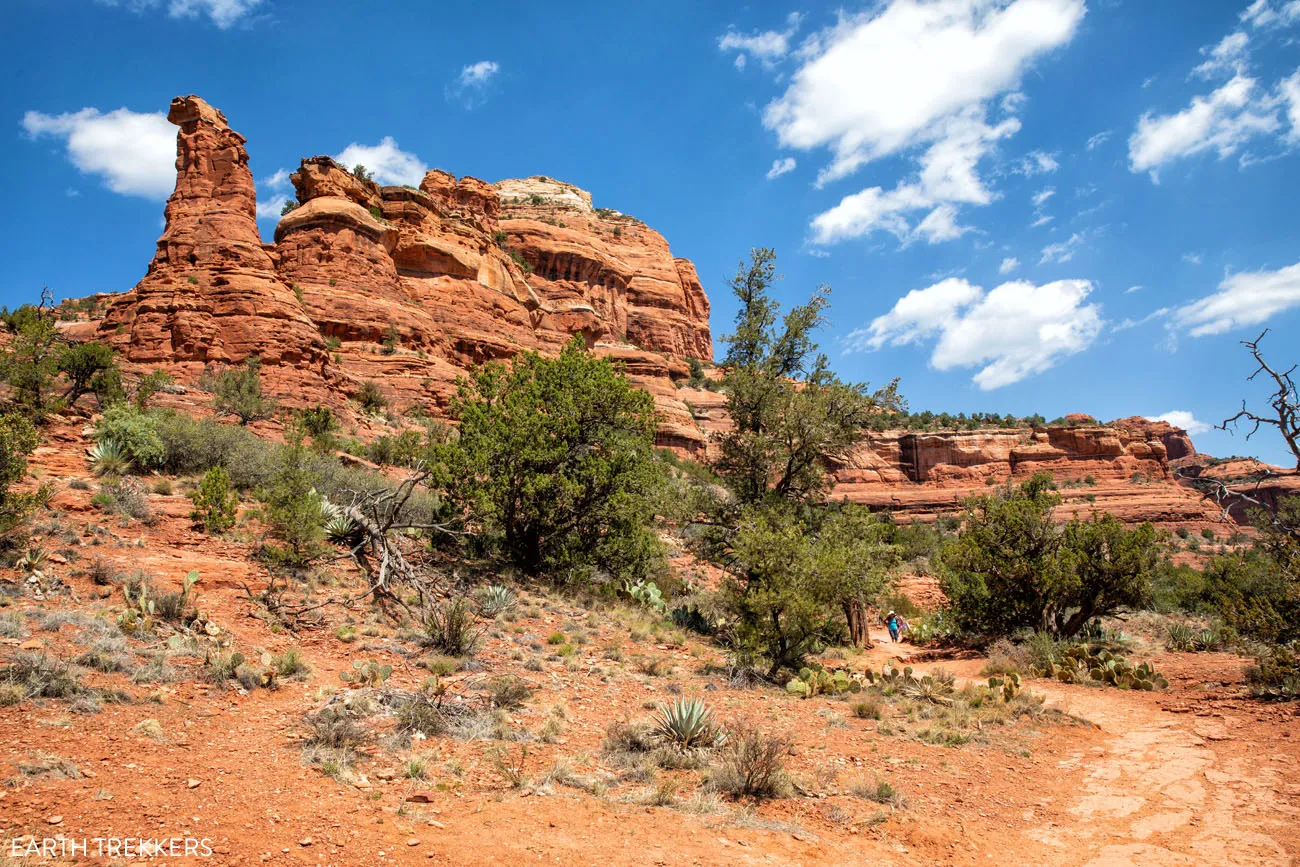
33, 561
687, 724
496, 599
109, 458
936, 689
339, 527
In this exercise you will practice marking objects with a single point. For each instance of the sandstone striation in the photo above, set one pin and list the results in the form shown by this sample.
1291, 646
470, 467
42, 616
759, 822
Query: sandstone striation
407, 287
211, 293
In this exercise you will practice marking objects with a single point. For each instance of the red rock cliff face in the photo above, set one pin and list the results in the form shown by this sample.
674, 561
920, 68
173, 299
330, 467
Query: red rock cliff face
212, 293
1122, 468
407, 287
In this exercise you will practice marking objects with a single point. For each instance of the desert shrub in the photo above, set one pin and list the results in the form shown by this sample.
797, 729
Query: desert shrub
555, 458
697, 379
293, 510
507, 691
370, 397
291, 663
84, 364
237, 391
1276, 675
880, 791
752, 764
335, 728
452, 628
17, 440
215, 504
108, 458
136, 432
1011, 568
194, 445
401, 450
40, 675
319, 423
125, 496
149, 385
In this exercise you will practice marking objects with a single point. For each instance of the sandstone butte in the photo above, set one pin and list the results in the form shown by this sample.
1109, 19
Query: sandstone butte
459, 272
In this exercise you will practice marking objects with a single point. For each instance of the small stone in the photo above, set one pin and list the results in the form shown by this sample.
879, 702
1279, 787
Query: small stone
414, 841
436, 824
55, 820
420, 798
193, 784
305, 841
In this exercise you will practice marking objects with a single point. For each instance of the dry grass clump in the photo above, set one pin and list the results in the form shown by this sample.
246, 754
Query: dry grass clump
752, 764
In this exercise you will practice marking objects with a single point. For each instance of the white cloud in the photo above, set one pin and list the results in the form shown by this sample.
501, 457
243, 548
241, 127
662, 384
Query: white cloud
1016, 330
1223, 122
1035, 163
1098, 140
134, 153
1008, 265
274, 191
1041, 197
1266, 13
780, 167
940, 225
1289, 91
1130, 290
223, 13
1181, 418
471, 86
1238, 112
911, 75
1245, 298
1230, 53
1041, 220
1063, 251
769, 46
1192, 258
387, 163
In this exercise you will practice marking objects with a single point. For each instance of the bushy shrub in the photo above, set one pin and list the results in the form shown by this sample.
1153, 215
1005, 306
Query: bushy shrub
370, 397
196, 445
556, 458
752, 765
135, 432
294, 510
17, 440
216, 505
237, 391
452, 628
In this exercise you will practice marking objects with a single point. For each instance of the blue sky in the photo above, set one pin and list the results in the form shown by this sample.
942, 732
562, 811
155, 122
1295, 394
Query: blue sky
1022, 205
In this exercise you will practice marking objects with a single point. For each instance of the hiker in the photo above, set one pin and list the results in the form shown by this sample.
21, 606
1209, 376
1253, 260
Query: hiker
894, 622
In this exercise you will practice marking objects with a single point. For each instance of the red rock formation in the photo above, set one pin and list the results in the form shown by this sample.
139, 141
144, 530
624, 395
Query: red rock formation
211, 292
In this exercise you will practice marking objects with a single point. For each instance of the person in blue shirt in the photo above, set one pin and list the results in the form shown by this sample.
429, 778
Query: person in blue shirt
894, 622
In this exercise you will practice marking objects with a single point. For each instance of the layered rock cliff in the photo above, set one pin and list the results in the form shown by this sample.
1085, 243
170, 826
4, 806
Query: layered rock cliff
212, 292
407, 287
411, 287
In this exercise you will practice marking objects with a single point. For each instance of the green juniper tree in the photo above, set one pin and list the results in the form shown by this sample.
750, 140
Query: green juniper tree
793, 564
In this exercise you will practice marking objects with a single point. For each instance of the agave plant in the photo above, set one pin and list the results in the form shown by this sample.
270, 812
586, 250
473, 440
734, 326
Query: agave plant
496, 599
109, 458
33, 561
339, 527
936, 689
687, 724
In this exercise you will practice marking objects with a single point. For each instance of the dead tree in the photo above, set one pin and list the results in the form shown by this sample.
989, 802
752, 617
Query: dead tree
378, 527
1285, 403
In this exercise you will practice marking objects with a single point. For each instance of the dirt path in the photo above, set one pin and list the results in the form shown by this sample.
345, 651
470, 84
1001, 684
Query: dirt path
1180, 779
1161, 792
